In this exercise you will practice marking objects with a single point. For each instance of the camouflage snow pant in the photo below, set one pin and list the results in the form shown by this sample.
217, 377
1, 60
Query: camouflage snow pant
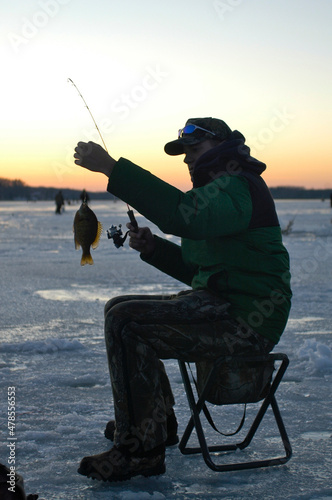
142, 329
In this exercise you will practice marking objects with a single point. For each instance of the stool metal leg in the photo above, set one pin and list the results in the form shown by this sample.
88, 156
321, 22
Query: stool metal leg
195, 422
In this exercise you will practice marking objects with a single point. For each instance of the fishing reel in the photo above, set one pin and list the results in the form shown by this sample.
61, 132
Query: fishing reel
115, 233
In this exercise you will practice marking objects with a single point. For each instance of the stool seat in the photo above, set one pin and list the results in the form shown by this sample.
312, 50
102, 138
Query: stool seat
211, 389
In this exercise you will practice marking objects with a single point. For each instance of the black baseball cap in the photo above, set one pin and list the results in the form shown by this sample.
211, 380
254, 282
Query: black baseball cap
197, 130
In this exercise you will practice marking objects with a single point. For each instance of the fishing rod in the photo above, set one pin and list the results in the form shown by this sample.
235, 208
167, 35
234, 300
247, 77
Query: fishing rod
87, 107
113, 232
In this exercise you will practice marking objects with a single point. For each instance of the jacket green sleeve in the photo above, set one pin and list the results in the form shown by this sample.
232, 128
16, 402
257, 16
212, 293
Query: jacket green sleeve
220, 208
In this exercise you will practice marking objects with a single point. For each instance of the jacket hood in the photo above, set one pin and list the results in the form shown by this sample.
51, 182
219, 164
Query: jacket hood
231, 157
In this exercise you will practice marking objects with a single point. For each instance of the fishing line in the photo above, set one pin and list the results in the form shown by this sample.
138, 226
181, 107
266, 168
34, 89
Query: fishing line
87, 107
117, 232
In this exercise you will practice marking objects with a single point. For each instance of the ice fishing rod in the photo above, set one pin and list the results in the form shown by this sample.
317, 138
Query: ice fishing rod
87, 107
113, 232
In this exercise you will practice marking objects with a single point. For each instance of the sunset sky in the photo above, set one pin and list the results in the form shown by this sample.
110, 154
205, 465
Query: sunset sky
145, 67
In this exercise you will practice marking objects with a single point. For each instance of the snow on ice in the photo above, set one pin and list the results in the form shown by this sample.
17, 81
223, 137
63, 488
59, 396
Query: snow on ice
52, 352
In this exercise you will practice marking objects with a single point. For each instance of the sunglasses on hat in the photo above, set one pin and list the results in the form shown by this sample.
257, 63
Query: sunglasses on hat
189, 129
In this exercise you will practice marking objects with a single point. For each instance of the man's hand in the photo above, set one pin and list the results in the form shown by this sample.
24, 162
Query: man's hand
141, 239
93, 157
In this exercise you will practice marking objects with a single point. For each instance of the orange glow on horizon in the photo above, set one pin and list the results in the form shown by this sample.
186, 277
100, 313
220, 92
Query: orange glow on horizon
281, 171
52, 165
276, 93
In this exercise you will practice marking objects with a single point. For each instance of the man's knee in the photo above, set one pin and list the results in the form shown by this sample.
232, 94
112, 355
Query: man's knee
117, 315
113, 302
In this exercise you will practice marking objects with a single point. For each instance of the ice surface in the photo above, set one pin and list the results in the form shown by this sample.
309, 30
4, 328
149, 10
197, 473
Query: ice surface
52, 352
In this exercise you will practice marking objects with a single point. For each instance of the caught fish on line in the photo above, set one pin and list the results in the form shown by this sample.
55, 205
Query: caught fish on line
113, 232
87, 231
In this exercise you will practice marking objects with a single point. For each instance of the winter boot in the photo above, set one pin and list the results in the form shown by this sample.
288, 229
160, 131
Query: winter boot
172, 427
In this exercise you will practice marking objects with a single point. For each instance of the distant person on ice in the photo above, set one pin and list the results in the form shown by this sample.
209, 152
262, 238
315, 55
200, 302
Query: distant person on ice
84, 197
232, 257
59, 202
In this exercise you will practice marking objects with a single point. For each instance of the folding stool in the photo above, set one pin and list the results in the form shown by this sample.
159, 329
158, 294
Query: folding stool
197, 404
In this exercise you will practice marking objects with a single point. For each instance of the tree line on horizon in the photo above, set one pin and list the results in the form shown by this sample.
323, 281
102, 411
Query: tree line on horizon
14, 190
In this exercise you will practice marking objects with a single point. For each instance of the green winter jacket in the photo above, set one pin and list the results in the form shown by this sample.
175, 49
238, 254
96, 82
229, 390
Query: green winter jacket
220, 251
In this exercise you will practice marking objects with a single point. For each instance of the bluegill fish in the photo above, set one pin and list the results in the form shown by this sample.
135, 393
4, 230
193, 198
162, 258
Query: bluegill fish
87, 231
